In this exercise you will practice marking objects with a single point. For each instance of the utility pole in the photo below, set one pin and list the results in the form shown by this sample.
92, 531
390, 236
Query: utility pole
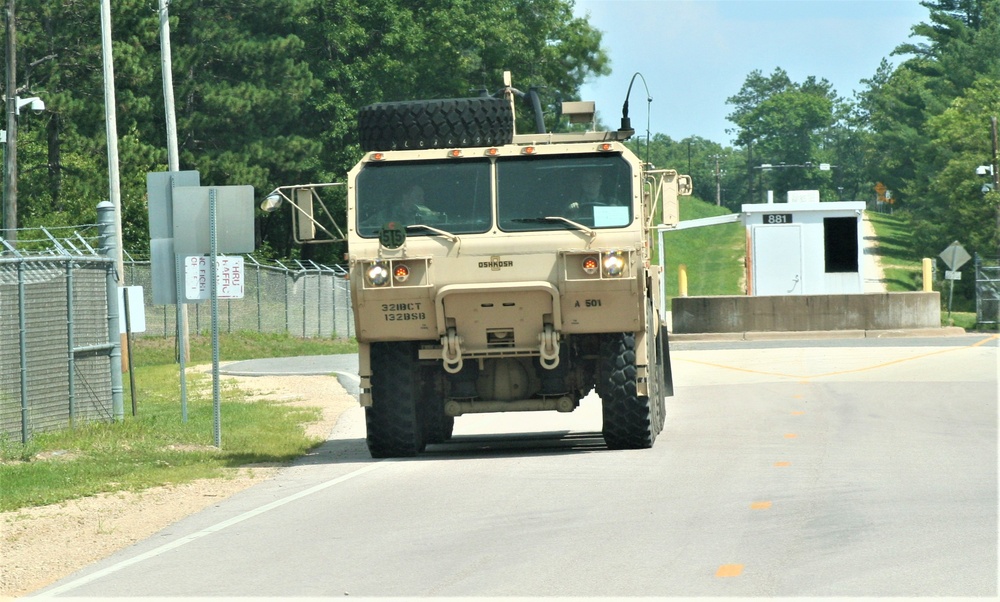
111, 127
173, 157
10, 156
718, 182
114, 179
173, 161
996, 172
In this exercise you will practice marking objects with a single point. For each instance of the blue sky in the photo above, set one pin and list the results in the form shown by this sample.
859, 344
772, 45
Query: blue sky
694, 54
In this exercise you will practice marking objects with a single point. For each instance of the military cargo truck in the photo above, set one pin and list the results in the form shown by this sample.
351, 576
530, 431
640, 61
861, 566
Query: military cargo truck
497, 271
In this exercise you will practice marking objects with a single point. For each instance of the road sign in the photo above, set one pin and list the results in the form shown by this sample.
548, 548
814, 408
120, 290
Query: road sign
136, 309
954, 256
951, 275
228, 277
160, 194
234, 209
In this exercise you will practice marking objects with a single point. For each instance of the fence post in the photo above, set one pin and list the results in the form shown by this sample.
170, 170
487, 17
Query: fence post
70, 342
979, 311
23, 342
285, 280
106, 221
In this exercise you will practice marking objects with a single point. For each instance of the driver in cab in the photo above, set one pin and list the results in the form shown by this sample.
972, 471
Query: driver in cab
588, 196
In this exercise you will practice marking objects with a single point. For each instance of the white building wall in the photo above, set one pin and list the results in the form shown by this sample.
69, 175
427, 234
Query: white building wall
772, 254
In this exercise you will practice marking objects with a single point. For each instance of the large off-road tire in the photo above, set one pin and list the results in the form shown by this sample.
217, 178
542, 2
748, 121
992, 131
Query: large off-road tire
437, 426
630, 420
392, 421
445, 123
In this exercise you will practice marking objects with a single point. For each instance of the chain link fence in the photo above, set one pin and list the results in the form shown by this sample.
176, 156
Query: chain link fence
307, 300
55, 351
54, 344
987, 290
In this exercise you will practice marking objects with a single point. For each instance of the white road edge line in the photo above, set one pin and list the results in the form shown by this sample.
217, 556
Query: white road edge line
208, 531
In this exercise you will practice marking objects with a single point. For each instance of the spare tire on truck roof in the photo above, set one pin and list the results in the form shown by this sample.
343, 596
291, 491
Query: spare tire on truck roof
443, 123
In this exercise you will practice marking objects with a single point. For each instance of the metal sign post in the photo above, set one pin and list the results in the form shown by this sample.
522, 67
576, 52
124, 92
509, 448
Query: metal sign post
955, 256
213, 246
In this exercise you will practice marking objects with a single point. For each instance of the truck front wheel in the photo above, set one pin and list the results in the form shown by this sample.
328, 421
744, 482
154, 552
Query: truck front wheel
437, 426
392, 420
631, 421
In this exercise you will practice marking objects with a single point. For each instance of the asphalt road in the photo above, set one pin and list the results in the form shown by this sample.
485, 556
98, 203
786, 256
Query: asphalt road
807, 468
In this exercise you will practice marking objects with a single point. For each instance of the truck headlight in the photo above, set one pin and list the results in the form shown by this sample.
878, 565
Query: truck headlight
378, 275
614, 263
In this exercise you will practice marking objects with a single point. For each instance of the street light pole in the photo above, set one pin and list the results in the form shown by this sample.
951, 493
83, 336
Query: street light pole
996, 171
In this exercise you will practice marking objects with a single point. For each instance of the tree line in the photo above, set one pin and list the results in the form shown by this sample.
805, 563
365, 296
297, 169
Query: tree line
267, 93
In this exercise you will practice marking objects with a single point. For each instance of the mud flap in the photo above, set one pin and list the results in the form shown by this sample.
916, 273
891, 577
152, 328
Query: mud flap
668, 373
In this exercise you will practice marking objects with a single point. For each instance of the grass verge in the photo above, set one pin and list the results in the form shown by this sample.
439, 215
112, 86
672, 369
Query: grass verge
155, 447
903, 272
713, 255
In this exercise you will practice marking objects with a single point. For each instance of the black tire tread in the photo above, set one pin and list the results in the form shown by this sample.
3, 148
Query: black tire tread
629, 422
441, 123
393, 427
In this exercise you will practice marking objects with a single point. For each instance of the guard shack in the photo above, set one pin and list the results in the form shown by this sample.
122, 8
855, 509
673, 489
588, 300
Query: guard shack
804, 248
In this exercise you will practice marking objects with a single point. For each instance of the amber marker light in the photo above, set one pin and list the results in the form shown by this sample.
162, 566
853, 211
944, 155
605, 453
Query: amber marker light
590, 265
605, 146
492, 152
454, 153
377, 157
528, 150
401, 273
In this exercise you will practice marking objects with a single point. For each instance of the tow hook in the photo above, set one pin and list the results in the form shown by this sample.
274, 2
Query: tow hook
548, 348
451, 352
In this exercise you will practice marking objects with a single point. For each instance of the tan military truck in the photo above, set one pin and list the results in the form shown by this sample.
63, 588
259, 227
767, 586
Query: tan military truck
493, 271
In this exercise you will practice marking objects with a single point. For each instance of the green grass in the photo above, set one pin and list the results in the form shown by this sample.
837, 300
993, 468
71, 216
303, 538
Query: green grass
713, 255
151, 351
903, 271
155, 447
963, 319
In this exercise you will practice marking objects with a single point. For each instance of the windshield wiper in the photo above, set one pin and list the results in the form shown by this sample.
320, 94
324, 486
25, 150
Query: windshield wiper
556, 218
437, 231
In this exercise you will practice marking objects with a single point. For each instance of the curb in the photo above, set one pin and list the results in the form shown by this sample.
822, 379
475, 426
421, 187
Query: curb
947, 331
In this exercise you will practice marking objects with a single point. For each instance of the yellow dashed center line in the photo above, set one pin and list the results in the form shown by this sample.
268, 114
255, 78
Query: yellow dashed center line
735, 570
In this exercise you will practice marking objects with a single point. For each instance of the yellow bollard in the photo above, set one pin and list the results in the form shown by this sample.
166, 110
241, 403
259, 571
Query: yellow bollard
682, 280
928, 278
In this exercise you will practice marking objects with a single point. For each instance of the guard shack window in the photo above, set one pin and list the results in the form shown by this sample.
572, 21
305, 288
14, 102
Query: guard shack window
840, 243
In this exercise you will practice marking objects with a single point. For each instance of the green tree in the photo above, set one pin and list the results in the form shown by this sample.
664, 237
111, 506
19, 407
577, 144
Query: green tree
956, 207
266, 92
387, 50
784, 122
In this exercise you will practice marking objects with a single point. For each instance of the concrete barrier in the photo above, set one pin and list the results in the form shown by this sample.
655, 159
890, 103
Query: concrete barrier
791, 313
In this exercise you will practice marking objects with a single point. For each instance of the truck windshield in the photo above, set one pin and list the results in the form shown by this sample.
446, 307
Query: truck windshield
453, 196
592, 190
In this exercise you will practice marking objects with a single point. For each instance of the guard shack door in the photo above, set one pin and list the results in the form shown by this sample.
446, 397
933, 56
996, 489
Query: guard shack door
777, 265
